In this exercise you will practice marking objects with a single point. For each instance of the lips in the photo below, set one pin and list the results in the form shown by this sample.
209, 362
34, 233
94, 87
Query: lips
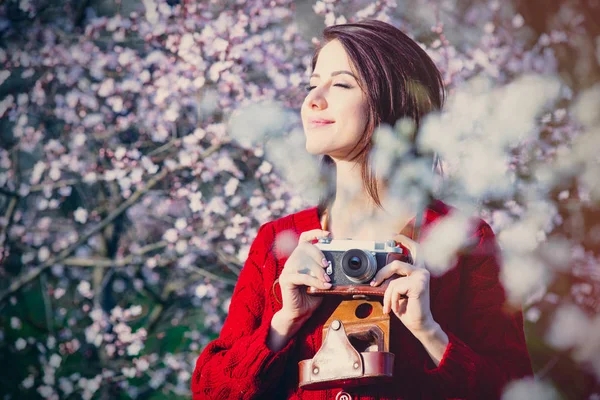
316, 123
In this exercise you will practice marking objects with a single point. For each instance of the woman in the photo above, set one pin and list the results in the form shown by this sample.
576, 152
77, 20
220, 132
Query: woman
453, 336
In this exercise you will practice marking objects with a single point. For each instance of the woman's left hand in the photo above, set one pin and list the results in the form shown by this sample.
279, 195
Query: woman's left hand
408, 295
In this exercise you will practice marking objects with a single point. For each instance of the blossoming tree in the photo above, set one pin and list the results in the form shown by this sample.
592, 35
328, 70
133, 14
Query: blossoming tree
144, 142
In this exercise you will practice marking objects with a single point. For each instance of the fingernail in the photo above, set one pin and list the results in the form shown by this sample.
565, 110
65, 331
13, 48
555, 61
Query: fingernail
327, 285
324, 262
327, 278
373, 282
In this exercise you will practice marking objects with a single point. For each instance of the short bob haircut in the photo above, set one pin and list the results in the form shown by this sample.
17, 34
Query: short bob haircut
399, 79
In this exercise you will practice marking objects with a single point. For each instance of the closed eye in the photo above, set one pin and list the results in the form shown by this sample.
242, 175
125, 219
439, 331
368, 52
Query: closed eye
309, 88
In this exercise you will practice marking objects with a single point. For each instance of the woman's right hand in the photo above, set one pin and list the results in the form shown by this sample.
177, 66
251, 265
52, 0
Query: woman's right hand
304, 267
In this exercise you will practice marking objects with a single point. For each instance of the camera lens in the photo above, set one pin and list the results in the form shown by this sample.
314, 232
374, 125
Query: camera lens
354, 263
358, 265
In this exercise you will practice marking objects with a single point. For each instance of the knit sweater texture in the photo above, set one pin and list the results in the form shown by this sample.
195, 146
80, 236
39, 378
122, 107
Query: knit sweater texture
486, 347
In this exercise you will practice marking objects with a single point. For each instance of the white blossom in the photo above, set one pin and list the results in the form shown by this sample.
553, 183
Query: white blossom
170, 235
28, 382
20, 344
522, 276
55, 360
530, 389
439, 248
85, 289
180, 224
45, 391
231, 186
570, 326
256, 122
286, 242
15, 323
43, 254
81, 215
586, 107
134, 348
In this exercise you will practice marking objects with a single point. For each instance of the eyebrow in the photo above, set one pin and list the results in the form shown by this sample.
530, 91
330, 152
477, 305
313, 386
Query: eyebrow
334, 73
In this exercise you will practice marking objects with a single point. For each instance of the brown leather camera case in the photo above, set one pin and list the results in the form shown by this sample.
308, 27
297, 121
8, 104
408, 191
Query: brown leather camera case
355, 349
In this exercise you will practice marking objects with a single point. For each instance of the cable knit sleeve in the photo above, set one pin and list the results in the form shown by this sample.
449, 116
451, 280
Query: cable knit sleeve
488, 350
238, 363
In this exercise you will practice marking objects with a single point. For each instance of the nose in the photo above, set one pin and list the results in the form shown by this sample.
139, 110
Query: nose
316, 100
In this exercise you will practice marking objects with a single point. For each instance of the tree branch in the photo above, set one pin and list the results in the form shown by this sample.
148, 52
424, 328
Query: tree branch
9, 193
211, 275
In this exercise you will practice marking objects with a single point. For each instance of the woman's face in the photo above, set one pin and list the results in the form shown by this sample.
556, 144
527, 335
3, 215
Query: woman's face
334, 113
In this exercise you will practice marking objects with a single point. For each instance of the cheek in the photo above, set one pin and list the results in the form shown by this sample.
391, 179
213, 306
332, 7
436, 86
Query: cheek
360, 111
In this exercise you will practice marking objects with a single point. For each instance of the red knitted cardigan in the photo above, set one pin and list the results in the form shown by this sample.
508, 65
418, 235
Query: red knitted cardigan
486, 348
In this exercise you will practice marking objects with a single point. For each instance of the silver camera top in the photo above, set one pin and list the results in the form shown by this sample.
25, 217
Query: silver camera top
389, 246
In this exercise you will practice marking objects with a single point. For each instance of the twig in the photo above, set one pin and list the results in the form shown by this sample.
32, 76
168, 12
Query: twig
8, 217
211, 275
67, 182
546, 368
33, 273
159, 310
103, 262
164, 147
12, 205
229, 261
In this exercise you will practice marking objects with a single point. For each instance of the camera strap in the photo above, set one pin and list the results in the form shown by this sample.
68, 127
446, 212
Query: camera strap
418, 224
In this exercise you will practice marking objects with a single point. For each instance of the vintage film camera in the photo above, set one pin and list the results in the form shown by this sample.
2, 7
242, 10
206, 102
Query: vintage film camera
355, 262
356, 337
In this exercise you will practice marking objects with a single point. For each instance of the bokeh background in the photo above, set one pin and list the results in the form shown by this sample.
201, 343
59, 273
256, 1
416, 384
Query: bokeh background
142, 144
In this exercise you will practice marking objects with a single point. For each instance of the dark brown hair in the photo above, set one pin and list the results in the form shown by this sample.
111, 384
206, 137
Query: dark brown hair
399, 79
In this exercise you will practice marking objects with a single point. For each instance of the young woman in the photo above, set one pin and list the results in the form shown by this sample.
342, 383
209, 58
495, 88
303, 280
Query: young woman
453, 336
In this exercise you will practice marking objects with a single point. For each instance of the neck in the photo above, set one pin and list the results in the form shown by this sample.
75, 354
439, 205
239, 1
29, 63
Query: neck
351, 195
354, 214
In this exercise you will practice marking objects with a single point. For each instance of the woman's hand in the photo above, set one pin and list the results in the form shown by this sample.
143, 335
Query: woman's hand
408, 295
304, 267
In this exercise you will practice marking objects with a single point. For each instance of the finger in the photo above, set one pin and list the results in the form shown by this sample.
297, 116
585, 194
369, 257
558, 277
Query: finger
306, 280
413, 286
386, 300
395, 291
311, 235
314, 253
396, 296
402, 304
392, 296
395, 267
411, 245
316, 271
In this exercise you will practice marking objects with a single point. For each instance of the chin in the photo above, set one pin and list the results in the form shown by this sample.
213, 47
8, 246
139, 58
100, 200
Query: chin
314, 147
313, 150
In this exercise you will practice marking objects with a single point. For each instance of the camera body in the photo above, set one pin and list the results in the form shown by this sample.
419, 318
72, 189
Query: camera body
355, 262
